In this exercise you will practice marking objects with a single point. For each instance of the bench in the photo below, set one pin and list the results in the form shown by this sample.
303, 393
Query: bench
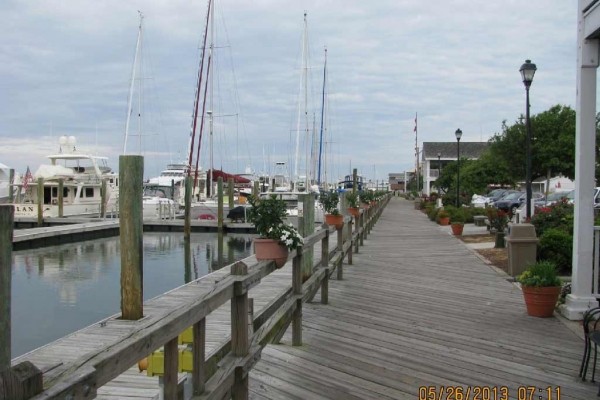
480, 220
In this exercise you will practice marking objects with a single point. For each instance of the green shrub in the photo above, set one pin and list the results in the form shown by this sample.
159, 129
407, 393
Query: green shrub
559, 216
556, 246
431, 212
540, 274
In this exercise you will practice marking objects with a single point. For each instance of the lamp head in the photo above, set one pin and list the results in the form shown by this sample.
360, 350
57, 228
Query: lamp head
458, 134
527, 72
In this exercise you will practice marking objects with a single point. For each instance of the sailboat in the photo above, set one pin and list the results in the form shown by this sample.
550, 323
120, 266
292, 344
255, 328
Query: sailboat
158, 200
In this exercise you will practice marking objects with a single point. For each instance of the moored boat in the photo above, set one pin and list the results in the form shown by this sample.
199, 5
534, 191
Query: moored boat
81, 175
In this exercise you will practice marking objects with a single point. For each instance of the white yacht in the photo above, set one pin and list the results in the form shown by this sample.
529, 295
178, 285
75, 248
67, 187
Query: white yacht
82, 176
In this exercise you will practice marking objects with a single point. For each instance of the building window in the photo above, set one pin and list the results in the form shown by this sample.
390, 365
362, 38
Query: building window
89, 192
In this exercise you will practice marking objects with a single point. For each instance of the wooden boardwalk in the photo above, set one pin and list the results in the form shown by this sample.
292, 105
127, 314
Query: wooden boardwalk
418, 309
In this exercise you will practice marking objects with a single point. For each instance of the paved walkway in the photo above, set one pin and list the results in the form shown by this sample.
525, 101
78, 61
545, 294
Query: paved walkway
420, 310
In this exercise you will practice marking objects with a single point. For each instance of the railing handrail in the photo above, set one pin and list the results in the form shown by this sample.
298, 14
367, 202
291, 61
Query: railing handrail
82, 377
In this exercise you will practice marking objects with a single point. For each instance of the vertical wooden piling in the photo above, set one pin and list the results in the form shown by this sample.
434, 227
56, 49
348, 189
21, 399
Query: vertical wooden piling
187, 255
187, 228
131, 172
230, 192
256, 188
239, 329
11, 182
104, 198
220, 203
40, 201
6, 236
173, 190
61, 198
354, 180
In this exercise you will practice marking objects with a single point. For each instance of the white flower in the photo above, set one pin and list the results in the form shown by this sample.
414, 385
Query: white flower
289, 242
283, 238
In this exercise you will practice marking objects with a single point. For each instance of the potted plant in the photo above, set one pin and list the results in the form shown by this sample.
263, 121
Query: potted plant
457, 222
443, 217
276, 237
352, 201
541, 287
365, 198
329, 201
498, 221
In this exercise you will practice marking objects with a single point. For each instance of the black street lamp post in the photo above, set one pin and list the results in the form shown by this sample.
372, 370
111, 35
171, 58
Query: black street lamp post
527, 72
458, 135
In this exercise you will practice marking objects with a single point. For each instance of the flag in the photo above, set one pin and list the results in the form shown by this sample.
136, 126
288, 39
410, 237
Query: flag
415, 122
27, 178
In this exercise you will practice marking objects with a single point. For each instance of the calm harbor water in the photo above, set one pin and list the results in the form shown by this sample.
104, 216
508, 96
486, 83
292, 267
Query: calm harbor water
60, 289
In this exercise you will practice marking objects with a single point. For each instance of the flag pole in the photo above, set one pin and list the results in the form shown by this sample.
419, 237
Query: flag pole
417, 154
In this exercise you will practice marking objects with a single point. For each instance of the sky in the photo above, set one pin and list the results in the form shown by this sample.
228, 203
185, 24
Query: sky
66, 69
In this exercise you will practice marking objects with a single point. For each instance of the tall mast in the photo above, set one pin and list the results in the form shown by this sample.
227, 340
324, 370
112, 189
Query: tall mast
302, 83
130, 98
210, 111
197, 99
322, 117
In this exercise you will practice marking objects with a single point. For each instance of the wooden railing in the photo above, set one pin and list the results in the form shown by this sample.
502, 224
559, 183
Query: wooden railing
225, 371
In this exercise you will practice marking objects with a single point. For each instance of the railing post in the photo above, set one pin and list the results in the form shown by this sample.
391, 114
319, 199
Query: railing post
350, 239
297, 291
356, 231
170, 369
340, 248
131, 172
239, 329
61, 198
198, 357
325, 264
362, 227
40, 201
6, 238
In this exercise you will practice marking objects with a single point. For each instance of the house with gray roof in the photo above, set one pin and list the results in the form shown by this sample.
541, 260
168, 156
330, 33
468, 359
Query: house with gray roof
437, 154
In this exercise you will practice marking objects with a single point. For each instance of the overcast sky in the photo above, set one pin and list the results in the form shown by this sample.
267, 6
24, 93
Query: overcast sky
66, 66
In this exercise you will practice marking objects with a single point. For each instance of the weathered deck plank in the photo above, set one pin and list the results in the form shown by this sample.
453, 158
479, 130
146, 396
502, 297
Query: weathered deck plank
418, 308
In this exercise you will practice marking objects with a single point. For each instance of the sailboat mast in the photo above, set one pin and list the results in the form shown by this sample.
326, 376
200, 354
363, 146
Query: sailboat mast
322, 117
197, 99
210, 111
140, 66
296, 156
130, 98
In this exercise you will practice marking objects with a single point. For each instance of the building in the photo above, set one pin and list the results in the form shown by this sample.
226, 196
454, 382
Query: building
437, 154
398, 180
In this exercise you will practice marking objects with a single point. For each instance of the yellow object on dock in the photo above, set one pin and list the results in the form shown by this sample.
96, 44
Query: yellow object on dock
154, 364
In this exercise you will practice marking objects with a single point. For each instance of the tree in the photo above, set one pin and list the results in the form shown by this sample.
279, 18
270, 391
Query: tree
552, 144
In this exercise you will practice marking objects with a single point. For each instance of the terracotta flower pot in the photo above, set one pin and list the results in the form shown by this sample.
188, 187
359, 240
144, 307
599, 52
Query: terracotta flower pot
354, 211
540, 301
335, 220
457, 229
271, 249
444, 221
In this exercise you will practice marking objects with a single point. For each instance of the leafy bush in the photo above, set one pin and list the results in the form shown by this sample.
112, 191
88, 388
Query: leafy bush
431, 211
540, 274
498, 218
329, 201
558, 215
556, 246
268, 216
352, 199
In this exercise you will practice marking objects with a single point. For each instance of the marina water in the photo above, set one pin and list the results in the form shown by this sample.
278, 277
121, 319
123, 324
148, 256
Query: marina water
58, 290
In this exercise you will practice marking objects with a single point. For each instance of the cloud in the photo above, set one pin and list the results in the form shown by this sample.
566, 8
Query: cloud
66, 66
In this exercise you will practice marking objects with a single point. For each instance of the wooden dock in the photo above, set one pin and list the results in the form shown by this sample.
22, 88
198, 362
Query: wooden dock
417, 310
67, 230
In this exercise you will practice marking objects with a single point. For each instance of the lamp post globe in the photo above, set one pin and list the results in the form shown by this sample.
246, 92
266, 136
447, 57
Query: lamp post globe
527, 72
458, 135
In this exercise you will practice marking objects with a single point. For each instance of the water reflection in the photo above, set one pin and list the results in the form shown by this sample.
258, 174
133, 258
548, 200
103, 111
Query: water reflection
57, 290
